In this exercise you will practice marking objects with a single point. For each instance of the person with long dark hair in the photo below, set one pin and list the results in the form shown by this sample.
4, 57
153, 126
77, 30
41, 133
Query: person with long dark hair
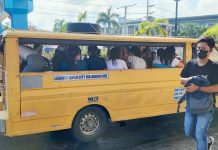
171, 59
158, 62
135, 59
114, 62
70, 59
58, 58
95, 61
147, 56
124, 54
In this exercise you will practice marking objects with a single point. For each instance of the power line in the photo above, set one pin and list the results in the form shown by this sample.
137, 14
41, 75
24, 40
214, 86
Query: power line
125, 7
69, 14
55, 8
65, 12
63, 15
93, 14
90, 4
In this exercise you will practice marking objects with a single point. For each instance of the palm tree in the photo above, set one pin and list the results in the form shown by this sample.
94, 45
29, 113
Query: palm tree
213, 32
154, 28
60, 25
82, 16
108, 19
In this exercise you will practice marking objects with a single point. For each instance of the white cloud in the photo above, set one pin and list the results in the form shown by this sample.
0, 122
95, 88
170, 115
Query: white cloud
207, 7
45, 11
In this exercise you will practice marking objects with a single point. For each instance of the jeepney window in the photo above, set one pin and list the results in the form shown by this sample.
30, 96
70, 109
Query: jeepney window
159, 56
47, 52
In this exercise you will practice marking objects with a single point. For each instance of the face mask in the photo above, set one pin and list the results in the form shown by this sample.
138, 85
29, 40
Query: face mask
202, 54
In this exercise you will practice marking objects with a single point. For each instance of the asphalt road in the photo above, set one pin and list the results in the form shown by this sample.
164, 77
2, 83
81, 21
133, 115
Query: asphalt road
158, 133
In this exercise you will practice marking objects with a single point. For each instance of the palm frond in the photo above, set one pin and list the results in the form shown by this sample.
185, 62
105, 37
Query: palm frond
82, 16
115, 23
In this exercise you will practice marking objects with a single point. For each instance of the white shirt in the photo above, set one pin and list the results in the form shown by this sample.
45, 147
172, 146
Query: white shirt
137, 63
175, 62
25, 51
117, 64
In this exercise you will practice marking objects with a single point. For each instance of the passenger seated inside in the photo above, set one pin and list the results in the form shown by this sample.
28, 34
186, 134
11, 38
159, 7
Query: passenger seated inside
159, 60
114, 62
59, 57
38, 48
72, 60
124, 54
95, 62
146, 55
135, 60
31, 61
170, 58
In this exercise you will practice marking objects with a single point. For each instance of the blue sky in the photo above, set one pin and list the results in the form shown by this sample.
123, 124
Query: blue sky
46, 11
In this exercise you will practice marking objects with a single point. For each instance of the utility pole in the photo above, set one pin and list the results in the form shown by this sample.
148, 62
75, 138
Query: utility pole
176, 19
148, 12
125, 7
125, 14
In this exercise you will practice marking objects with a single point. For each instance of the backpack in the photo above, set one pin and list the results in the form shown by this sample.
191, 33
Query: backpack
198, 102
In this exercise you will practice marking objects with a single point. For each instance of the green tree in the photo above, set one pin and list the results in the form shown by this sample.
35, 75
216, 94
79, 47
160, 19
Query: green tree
108, 19
82, 16
213, 32
191, 30
153, 28
60, 25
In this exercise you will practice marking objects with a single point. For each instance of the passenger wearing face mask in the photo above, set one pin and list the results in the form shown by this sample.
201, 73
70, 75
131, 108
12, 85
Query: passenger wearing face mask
197, 124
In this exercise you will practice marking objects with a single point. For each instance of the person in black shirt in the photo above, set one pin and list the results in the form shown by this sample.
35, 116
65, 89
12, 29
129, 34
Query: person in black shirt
196, 125
95, 62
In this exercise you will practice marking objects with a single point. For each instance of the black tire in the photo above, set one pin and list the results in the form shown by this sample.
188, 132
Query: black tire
89, 124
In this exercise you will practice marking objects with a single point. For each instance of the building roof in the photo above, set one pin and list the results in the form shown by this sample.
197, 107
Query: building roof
195, 18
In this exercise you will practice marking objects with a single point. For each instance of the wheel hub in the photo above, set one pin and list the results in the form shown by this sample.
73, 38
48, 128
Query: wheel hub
89, 124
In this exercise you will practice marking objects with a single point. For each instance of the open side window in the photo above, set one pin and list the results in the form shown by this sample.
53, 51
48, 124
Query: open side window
48, 47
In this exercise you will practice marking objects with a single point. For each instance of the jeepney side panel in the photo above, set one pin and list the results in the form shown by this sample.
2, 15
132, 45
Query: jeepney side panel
12, 83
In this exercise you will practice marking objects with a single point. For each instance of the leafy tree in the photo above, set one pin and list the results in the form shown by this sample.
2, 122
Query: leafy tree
191, 30
153, 28
60, 25
108, 19
212, 31
82, 16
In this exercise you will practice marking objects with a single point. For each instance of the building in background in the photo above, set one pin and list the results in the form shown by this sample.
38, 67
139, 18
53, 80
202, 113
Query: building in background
129, 27
209, 20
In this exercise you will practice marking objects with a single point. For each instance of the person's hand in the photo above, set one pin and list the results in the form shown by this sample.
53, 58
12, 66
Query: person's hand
185, 80
192, 88
188, 79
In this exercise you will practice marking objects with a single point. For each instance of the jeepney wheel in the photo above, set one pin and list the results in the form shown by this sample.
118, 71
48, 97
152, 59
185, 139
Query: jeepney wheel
89, 124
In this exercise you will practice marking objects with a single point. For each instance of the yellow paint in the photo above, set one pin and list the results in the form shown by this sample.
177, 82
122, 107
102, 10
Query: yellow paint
126, 94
